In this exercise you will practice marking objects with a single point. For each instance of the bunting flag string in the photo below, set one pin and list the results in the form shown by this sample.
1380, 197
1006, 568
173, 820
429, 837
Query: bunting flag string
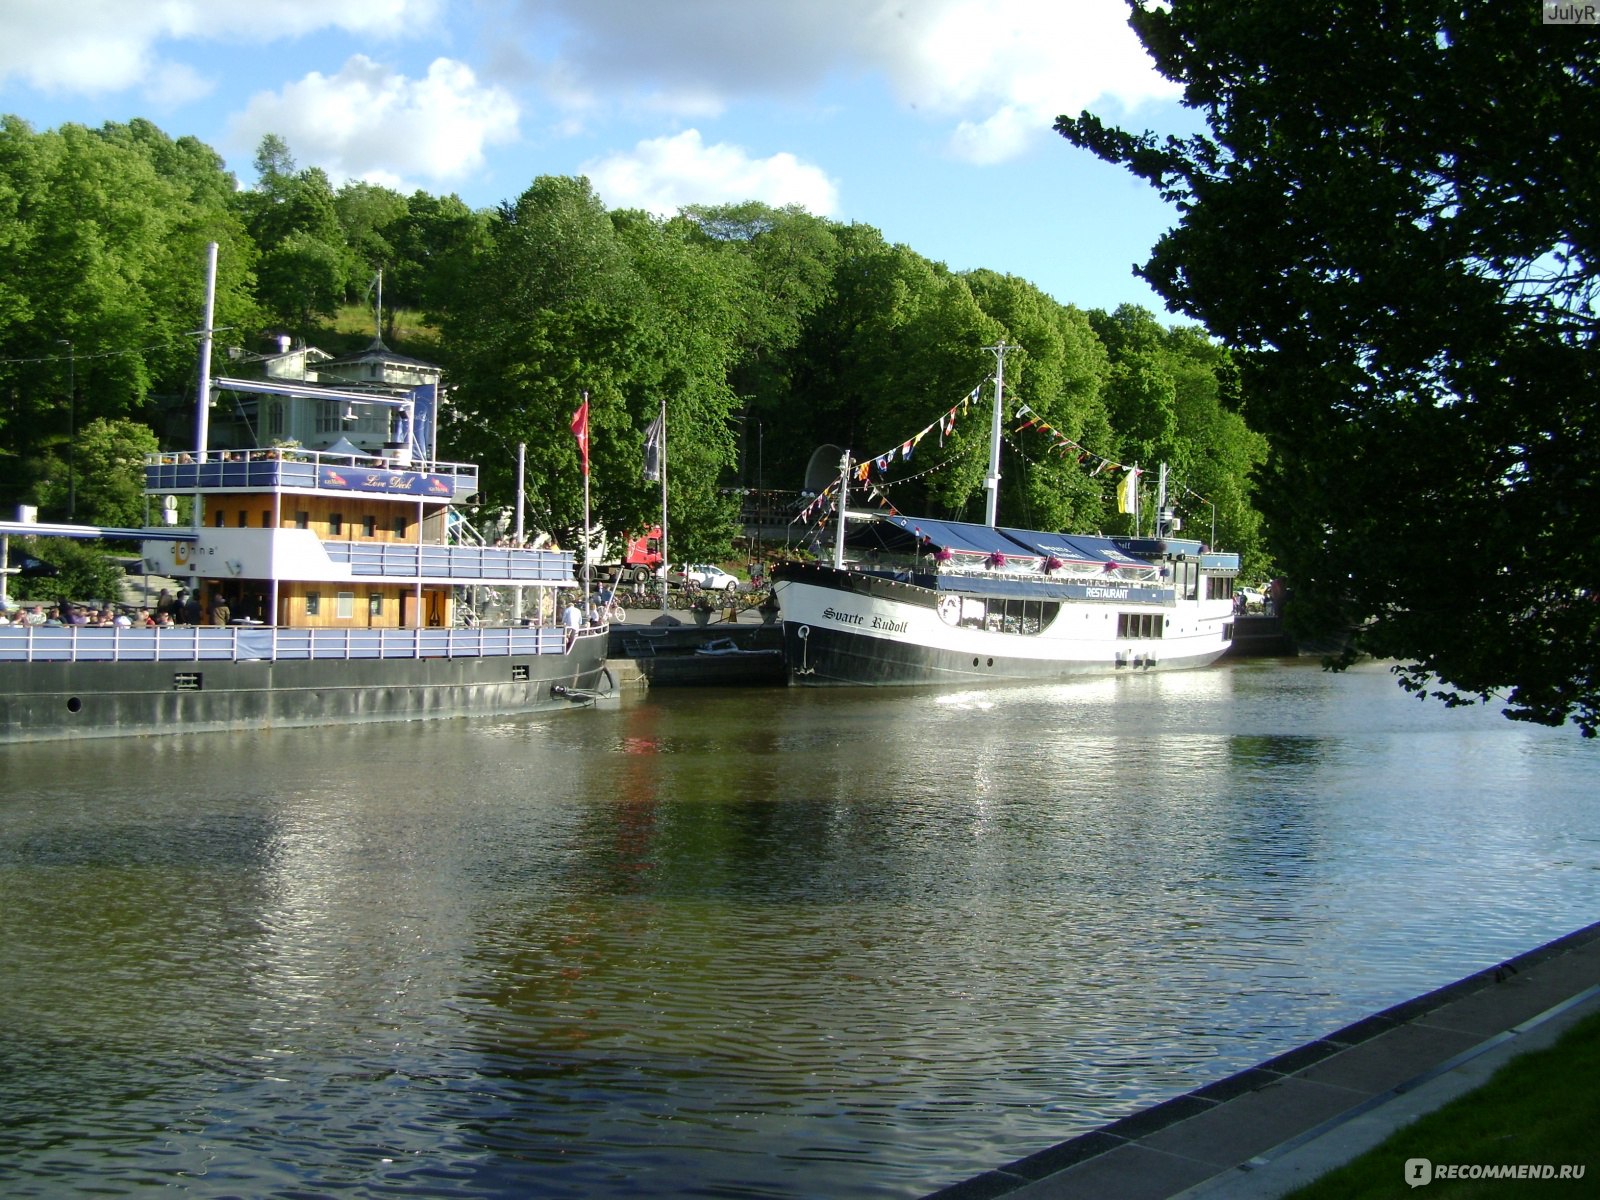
1063, 443
825, 498
945, 424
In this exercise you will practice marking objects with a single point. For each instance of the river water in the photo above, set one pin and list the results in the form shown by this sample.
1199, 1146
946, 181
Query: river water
742, 943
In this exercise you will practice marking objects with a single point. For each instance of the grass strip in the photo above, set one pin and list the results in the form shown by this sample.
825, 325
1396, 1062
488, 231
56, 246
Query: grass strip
1541, 1108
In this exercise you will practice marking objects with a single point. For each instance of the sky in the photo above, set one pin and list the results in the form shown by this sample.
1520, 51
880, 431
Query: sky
929, 120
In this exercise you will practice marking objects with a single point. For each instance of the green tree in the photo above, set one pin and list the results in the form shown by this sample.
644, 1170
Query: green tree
778, 266
102, 237
436, 245
303, 279
899, 341
307, 261
568, 299
370, 217
84, 572
107, 474
1390, 222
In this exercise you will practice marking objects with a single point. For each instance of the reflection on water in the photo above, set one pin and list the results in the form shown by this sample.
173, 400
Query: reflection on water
742, 943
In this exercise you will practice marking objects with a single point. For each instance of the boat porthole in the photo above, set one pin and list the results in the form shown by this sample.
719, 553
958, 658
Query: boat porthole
974, 662
991, 662
74, 704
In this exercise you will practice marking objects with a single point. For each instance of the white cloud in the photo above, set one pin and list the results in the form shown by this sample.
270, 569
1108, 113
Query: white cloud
172, 85
664, 174
102, 46
1007, 68
1000, 71
368, 122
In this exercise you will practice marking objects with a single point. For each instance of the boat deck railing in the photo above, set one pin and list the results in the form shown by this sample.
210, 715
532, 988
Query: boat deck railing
245, 643
272, 467
410, 561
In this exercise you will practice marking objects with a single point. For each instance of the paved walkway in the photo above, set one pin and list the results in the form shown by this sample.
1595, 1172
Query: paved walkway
1276, 1127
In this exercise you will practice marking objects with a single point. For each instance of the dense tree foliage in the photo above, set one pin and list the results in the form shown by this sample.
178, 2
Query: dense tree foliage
101, 234
80, 572
1392, 223
766, 333
104, 474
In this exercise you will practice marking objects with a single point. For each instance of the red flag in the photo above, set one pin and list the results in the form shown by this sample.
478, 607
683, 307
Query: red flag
580, 430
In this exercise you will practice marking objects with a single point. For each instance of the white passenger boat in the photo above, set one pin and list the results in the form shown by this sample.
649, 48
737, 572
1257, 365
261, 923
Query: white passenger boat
918, 601
339, 572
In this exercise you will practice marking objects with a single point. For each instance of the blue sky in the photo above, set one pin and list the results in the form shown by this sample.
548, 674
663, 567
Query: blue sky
927, 119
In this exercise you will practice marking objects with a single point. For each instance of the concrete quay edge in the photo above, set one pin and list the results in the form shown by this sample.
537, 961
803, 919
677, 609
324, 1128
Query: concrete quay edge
1269, 1129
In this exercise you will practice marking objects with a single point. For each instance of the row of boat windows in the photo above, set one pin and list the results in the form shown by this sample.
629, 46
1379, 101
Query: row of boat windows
1141, 625
302, 520
1000, 616
1034, 616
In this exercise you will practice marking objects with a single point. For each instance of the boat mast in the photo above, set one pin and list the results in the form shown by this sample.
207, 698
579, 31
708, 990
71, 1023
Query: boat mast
1162, 515
202, 419
844, 503
992, 480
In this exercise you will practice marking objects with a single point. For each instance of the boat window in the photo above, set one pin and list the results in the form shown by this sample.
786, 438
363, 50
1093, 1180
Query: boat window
302, 520
369, 526
1141, 625
375, 604
1027, 617
335, 524
399, 527
313, 603
345, 605
244, 519
1186, 579
218, 520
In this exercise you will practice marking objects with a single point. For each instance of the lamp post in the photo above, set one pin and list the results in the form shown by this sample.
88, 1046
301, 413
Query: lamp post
72, 427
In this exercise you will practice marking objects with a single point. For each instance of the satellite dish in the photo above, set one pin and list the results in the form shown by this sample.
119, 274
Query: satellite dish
823, 469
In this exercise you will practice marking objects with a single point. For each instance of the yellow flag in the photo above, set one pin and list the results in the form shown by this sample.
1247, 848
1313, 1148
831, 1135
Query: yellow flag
1125, 491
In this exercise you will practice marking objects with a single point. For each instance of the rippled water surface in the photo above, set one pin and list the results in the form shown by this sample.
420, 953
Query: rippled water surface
754, 943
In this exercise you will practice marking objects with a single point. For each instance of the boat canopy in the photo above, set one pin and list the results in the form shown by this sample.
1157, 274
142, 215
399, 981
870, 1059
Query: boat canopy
908, 535
1075, 547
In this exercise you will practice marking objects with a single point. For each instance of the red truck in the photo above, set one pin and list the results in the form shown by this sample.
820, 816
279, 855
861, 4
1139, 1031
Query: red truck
642, 557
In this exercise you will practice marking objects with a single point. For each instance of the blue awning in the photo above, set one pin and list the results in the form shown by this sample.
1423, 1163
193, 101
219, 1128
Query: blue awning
903, 534
1074, 547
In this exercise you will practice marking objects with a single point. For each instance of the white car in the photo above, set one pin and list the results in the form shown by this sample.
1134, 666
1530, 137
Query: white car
713, 578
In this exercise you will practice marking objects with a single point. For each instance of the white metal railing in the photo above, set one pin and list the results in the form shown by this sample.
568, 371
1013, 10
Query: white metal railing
205, 643
274, 467
408, 561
